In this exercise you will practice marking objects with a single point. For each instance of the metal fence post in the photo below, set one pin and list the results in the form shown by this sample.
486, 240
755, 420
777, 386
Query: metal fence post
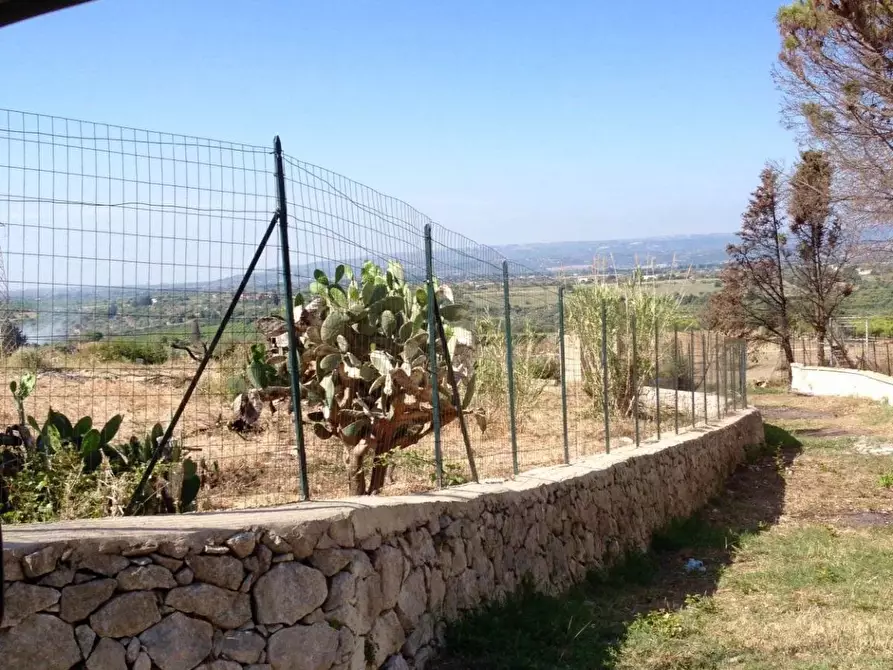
718, 359
733, 382
691, 376
676, 377
743, 374
634, 369
605, 389
432, 356
563, 367
294, 362
657, 375
509, 363
865, 365
704, 373
725, 375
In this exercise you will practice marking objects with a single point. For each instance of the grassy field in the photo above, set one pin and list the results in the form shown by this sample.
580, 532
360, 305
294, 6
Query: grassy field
799, 556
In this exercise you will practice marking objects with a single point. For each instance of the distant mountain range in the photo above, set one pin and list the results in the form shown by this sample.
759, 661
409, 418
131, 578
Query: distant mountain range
678, 250
456, 264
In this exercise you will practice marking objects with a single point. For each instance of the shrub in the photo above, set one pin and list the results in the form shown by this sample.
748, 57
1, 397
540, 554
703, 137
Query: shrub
11, 337
881, 326
627, 298
30, 359
134, 351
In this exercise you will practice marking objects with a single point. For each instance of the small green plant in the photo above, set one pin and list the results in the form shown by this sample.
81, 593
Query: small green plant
886, 480
414, 462
453, 474
59, 433
663, 623
175, 482
262, 373
20, 391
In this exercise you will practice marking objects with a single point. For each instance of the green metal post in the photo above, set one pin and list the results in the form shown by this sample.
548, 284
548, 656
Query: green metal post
657, 376
691, 375
605, 389
676, 378
432, 356
718, 368
509, 363
294, 362
561, 354
725, 375
704, 373
635, 372
733, 383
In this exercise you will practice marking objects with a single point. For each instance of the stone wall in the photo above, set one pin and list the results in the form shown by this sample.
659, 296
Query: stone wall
351, 584
821, 381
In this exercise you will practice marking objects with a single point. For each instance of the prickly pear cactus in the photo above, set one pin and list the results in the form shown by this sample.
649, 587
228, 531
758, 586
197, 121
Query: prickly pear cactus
365, 369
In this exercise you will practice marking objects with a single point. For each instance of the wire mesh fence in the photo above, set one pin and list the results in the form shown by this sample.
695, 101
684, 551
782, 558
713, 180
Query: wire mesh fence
852, 343
171, 301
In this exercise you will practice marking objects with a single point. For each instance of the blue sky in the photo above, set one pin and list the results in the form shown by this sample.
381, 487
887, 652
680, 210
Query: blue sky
506, 121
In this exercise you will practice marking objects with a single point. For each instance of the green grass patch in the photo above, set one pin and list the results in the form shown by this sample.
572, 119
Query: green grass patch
589, 626
779, 438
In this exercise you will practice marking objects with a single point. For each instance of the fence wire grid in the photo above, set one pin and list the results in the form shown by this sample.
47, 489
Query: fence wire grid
125, 254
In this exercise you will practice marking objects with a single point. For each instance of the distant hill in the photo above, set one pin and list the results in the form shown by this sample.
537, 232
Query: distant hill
680, 251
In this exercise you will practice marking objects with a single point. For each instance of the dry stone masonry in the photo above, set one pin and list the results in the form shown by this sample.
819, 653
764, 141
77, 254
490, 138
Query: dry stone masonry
340, 585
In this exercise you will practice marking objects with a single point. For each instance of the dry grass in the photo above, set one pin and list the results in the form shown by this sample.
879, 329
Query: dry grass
799, 555
261, 467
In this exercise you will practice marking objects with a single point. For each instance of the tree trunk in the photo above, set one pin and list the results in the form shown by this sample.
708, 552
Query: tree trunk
788, 355
353, 458
820, 349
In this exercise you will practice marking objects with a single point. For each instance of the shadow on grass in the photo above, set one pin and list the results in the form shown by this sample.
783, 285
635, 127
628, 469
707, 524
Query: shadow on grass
584, 627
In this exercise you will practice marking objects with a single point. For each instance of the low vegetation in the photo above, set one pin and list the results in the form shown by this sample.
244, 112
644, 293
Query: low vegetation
628, 305
131, 350
67, 470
